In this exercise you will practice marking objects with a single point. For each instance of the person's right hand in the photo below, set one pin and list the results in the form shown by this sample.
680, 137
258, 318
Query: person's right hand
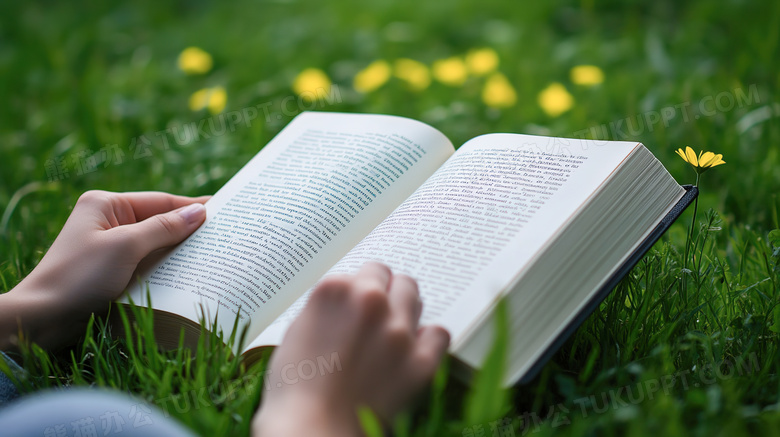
370, 322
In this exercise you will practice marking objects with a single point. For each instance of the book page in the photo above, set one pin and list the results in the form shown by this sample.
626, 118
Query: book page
579, 265
313, 192
468, 231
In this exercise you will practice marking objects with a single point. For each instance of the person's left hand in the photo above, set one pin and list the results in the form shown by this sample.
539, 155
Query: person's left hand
93, 259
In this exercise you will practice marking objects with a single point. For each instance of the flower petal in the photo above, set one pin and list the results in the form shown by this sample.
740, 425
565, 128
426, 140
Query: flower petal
217, 99
498, 92
199, 99
555, 100
587, 75
482, 61
451, 71
194, 60
415, 73
311, 84
706, 159
372, 77
691, 156
682, 154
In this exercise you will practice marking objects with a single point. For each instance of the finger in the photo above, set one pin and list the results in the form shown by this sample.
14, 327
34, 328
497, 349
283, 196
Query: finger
405, 304
432, 343
329, 295
146, 204
327, 320
370, 292
372, 276
163, 230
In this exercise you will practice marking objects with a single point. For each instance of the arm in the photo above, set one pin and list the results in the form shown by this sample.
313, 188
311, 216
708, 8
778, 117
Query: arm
370, 321
91, 262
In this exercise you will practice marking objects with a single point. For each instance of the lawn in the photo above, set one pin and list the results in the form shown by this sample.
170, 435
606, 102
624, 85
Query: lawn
93, 97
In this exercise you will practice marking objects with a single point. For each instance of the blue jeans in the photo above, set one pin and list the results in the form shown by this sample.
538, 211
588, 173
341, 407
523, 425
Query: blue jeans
80, 412
8, 390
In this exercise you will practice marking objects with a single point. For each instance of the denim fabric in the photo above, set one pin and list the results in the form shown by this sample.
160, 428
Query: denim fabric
86, 412
79, 411
7, 388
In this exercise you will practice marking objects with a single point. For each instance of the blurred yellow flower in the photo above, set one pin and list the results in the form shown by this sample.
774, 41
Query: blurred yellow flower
311, 84
587, 75
372, 77
214, 99
701, 163
451, 71
194, 60
555, 100
498, 92
482, 61
413, 72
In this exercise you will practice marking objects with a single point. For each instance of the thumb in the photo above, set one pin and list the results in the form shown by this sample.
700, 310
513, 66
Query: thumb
167, 229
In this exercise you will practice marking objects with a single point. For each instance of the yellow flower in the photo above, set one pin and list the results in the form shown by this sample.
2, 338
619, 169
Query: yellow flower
311, 84
212, 98
194, 60
587, 75
482, 61
701, 163
498, 92
415, 73
372, 77
450, 71
555, 100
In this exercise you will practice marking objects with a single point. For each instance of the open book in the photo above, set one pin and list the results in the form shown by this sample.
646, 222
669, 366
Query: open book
546, 223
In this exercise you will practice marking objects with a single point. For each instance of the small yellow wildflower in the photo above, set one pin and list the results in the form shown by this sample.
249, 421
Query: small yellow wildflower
311, 84
413, 72
214, 99
498, 92
372, 77
482, 61
451, 71
701, 163
587, 75
555, 100
194, 60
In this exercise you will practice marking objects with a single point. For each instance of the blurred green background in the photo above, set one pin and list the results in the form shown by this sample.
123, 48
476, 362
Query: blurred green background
82, 80
84, 75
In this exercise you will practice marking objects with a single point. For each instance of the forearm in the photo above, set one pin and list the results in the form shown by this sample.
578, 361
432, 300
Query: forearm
36, 315
310, 416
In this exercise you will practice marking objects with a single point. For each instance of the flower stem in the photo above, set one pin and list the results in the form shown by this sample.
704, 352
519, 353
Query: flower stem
683, 278
693, 223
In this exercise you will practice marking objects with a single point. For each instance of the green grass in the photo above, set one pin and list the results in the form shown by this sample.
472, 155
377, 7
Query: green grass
79, 77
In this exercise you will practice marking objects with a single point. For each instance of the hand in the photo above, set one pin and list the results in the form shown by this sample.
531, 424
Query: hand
370, 322
92, 260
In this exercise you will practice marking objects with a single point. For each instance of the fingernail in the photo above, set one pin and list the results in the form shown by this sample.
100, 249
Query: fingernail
193, 213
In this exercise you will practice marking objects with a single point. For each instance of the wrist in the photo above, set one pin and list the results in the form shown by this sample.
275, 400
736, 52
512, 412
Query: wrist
38, 314
305, 415
17, 318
